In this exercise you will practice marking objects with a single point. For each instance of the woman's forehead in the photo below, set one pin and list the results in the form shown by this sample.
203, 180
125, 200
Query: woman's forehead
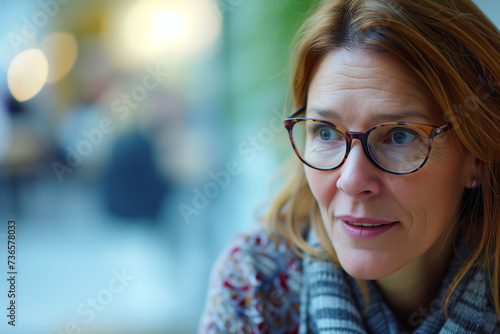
343, 68
367, 80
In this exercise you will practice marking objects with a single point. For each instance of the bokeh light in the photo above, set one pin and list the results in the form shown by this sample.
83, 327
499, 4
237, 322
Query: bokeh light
61, 50
27, 74
150, 29
12, 44
167, 26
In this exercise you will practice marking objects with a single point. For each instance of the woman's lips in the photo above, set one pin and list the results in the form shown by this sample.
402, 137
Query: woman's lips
364, 228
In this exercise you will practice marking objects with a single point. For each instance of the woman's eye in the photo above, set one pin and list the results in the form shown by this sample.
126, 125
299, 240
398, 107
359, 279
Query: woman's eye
402, 136
326, 134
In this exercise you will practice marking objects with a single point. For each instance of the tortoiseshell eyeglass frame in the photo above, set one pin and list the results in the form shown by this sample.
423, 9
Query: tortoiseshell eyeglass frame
431, 130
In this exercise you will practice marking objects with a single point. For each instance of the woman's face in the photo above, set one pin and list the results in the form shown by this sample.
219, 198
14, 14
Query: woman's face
358, 90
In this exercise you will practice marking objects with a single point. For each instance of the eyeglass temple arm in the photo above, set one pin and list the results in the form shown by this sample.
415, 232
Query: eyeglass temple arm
297, 112
441, 129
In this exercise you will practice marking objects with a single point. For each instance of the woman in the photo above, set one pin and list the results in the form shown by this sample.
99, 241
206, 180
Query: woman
391, 222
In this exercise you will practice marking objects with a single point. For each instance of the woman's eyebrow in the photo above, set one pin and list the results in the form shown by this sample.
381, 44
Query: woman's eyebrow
375, 117
400, 116
326, 113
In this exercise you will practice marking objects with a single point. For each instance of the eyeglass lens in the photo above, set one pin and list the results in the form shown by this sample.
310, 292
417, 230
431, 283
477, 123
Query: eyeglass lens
396, 147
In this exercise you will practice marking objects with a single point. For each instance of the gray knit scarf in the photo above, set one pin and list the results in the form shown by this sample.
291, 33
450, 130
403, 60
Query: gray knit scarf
332, 302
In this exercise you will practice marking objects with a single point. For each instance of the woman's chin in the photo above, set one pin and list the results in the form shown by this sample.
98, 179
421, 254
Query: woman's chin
366, 266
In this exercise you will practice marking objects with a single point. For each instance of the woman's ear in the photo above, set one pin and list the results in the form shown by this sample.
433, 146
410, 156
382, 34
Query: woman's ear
473, 175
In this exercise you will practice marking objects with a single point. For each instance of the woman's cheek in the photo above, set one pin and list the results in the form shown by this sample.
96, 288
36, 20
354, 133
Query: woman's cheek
323, 185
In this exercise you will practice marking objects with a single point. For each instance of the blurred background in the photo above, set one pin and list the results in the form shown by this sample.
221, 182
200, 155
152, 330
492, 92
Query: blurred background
137, 139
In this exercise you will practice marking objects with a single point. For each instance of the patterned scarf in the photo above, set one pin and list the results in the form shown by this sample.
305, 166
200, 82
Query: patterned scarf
333, 302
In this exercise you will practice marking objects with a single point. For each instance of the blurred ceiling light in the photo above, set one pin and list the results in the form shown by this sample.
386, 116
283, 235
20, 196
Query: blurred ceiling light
27, 74
61, 50
167, 27
154, 28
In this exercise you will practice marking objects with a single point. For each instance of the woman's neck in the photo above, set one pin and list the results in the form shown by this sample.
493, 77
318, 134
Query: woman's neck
410, 290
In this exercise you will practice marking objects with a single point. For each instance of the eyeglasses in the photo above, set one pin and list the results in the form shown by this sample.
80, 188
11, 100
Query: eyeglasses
396, 147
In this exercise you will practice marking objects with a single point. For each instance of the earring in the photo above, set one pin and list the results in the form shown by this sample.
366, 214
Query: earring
473, 183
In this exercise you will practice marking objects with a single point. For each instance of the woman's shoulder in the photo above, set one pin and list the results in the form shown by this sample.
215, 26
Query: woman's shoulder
254, 287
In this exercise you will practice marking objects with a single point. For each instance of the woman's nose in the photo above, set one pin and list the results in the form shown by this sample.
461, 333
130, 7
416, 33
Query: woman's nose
358, 176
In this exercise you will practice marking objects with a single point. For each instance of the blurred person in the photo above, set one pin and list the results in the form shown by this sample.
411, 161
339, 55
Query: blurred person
390, 223
133, 185
24, 152
139, 175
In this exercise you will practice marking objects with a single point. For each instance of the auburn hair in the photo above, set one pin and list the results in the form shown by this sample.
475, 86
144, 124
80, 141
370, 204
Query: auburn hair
454, 50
